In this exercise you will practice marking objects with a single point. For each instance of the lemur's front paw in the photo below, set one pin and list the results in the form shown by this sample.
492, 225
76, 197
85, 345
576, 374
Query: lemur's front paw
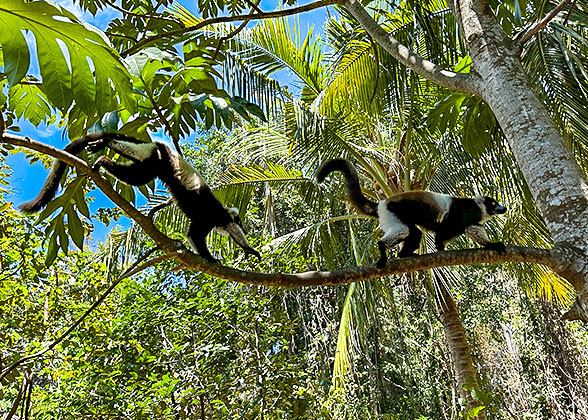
96, 145
496, 246
381, 263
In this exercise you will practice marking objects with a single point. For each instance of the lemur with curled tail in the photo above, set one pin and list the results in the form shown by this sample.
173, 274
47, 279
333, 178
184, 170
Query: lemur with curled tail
447, 216
147, 161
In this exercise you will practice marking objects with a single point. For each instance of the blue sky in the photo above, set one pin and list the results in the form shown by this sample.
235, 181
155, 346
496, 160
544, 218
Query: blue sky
26, 179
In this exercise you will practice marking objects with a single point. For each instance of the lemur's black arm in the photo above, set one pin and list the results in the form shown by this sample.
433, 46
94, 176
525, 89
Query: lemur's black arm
478, 234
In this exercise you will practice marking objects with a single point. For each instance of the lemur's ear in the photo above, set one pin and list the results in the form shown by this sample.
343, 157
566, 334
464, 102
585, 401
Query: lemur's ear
233, 211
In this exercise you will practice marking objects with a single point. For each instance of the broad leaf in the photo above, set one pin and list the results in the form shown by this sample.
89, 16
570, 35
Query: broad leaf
28, 101
75, 59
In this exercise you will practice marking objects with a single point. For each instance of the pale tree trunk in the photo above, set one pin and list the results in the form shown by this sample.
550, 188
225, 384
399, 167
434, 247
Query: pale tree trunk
459, 350
556, 181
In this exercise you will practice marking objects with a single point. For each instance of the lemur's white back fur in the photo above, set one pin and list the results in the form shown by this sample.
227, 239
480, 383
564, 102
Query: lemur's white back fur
185, 173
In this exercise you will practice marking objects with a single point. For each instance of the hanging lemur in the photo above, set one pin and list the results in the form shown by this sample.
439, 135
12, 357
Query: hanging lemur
447, 216
148, 161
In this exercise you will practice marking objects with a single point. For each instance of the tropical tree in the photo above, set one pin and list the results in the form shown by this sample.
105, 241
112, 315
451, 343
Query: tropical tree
268, 46
170, 91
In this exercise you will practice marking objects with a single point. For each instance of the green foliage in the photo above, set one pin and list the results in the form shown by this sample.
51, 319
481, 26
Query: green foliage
28, 102
472, 115
171, 343
66, 74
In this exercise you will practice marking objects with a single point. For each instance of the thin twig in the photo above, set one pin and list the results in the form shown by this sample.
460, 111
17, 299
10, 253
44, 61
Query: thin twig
377, 57
159, 2
18, 398
140, 15
110, 33
255, 6
528, 33
129, 272
224, 19
237, 30
162, 118
27, 404
565, 22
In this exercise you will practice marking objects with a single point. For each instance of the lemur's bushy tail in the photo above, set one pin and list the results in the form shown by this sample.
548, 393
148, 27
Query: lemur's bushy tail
51, 184
357, 198
58, 168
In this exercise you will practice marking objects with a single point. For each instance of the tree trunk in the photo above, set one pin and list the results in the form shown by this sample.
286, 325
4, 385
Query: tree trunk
556, 181
459, 350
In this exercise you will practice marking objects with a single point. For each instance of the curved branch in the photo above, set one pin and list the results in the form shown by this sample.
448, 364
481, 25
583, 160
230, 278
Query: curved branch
225, 19
563, 259
462, 82
530, 31
395, 266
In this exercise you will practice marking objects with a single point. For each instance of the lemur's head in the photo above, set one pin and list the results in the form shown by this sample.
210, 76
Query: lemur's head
489, 207
234, 213
236, 231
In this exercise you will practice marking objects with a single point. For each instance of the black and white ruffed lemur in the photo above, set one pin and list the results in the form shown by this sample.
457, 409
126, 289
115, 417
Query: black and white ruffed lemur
147, 161
447, 216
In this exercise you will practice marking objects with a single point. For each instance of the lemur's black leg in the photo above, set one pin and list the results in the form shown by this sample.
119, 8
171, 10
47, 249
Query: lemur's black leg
412, 242
395, 234
197, 238
381, 263
139, 173
440, 241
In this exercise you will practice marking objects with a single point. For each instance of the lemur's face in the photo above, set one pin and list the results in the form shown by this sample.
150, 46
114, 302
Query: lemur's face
234, 212
492, 207
236, 231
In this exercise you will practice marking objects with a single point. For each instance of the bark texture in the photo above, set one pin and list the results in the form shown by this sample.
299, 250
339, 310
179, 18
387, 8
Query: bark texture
459, 350
556, 181
554, 178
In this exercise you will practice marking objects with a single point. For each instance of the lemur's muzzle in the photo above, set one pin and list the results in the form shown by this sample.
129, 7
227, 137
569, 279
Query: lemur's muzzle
499, 209
236, 232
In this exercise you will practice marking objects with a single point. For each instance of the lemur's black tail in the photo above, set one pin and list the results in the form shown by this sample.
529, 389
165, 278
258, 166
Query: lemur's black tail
55, 173
357, 198
58, 168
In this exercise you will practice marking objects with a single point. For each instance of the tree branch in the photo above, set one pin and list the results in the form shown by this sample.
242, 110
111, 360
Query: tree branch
224, 19
462, 82
395, 266
530, 31
18, 398
565, 22
563, 259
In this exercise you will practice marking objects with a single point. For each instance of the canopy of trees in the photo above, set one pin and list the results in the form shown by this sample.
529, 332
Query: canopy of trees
462, 97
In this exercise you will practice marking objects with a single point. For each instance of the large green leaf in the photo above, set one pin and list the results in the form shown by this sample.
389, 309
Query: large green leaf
27, 100
65, 47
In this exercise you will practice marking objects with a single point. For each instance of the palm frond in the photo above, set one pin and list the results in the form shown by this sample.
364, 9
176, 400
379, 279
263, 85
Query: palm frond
555, 63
